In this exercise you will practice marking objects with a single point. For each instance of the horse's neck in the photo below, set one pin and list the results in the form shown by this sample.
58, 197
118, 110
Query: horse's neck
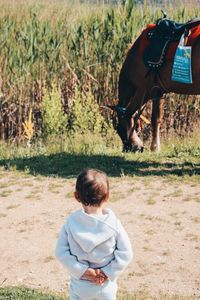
126, 87
135, 47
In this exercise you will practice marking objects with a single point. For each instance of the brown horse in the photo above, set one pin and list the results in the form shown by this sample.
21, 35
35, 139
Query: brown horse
138, 84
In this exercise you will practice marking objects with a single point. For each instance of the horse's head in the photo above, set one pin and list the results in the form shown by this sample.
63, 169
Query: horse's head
125, 124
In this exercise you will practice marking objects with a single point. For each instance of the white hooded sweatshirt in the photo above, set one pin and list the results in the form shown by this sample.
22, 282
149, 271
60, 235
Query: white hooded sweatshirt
94, 241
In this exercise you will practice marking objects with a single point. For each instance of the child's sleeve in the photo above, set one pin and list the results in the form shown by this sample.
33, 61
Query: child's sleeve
122, 255
70, 261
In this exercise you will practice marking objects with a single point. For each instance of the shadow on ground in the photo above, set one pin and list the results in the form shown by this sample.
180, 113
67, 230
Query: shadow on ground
69, 165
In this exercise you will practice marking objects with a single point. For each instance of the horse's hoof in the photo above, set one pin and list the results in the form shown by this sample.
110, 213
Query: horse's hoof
132, 148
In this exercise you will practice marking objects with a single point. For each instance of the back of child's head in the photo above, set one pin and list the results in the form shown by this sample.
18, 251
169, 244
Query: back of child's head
92, 187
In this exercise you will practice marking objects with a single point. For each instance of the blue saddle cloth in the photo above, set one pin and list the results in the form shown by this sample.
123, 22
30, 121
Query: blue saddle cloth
181, 70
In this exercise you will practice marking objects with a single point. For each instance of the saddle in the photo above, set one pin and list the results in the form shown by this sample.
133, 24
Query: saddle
163, 33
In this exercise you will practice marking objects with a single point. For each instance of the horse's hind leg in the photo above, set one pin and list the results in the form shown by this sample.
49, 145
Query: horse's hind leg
156, 119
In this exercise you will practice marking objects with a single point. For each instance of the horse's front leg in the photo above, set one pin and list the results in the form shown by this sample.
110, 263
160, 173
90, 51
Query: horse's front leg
156, 119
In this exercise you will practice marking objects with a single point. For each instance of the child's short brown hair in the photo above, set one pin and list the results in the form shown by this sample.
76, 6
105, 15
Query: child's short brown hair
92, 187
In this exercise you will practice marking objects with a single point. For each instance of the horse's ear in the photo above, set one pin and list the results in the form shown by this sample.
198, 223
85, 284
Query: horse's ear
112, 107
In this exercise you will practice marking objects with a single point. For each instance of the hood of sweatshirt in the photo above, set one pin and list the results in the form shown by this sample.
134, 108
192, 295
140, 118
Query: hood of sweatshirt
89, 231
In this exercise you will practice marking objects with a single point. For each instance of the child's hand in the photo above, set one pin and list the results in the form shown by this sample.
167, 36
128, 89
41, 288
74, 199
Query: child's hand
95, 276
100, 277
90, 274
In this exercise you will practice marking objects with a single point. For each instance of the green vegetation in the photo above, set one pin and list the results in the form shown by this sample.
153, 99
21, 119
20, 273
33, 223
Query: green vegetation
54, 120
58, 45
22, 293
63, 156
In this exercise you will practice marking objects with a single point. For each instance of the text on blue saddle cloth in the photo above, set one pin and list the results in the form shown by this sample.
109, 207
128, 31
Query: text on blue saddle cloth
181, 70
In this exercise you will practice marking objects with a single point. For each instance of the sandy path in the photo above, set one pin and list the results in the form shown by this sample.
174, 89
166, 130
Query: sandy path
161, 216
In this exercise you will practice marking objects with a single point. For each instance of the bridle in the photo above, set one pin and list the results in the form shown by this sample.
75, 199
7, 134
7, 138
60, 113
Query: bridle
123, 111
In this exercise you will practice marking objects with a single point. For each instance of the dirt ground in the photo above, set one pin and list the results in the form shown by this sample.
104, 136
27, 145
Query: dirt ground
161, 216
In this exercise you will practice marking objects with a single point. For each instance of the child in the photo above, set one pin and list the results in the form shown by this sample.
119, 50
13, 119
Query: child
93, 245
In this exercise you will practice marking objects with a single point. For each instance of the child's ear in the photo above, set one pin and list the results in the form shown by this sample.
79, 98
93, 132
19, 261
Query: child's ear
107, 197
76, 196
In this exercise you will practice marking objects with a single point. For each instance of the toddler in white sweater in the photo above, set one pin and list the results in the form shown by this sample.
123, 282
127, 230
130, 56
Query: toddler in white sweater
93, 244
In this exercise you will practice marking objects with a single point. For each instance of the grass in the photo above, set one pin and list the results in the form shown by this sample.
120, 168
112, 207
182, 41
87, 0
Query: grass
2, 215
23, 293
174, 194
48, 259
137, 274
5, 193
34, 195
151, 201
166, 253
65, 157
13, 206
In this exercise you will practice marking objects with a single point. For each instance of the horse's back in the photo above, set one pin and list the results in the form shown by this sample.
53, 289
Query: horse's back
165, 74
135, 70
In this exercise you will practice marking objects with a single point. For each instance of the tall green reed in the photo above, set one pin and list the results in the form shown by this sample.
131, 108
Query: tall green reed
84, 45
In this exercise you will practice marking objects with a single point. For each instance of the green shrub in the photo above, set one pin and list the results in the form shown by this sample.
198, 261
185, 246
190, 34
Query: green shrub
54, 119
84, 114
